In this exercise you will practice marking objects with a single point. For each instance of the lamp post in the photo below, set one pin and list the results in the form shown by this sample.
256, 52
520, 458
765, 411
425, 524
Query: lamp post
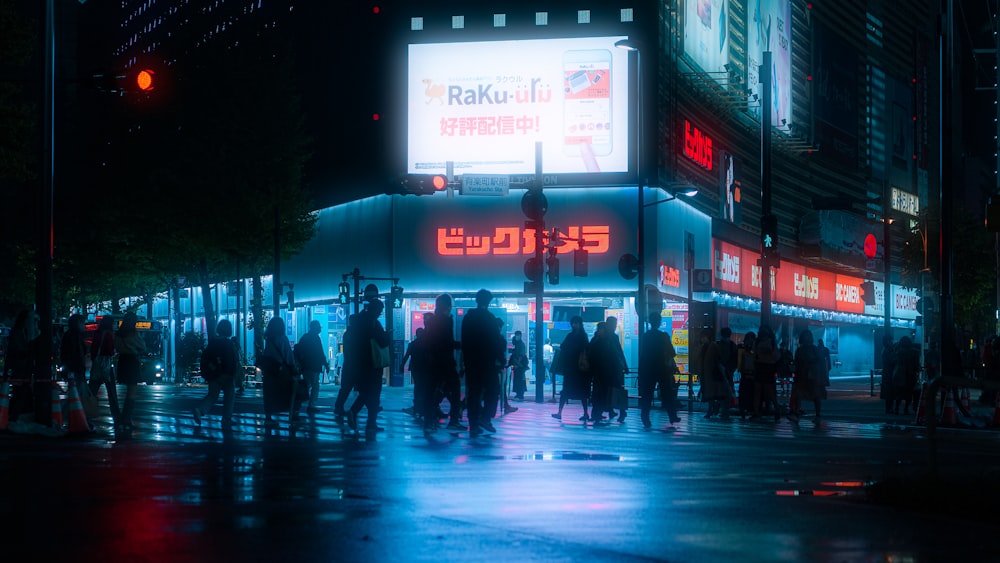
640, 246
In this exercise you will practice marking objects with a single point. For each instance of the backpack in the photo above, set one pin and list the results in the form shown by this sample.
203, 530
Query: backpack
211, 363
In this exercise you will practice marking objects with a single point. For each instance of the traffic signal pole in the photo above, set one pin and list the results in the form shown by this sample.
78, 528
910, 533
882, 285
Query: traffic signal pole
540, 290
765, 186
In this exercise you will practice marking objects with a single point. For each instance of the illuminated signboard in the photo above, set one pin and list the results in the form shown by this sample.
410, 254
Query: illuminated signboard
770, 23
508, 240
736, 271
484, 105
706, 33
697, 145
905, 202
669, 276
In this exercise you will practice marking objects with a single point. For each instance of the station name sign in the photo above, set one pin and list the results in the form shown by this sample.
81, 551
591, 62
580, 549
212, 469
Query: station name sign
905, 202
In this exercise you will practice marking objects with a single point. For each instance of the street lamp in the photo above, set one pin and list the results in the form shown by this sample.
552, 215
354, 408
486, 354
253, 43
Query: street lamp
640, 247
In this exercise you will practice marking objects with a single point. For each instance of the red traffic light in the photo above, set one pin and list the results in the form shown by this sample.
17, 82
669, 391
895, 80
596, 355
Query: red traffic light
423, 184
144, 80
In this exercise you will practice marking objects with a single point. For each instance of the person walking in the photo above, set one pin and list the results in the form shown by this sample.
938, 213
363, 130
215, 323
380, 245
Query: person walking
480, 356
576, 379
620, 370
277, 364
312, 360
130, 347
73, 355
503, 374
904, 375
728, 352
656, 369
416, 355
714, 386
518, 364
745, 363
443, 366
887, 390
102, 372
348, 371
807, 384
604, 366
220, 367
766, 358
369, 336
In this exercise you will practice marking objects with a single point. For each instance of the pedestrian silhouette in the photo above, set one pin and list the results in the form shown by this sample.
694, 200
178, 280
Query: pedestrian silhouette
130, 347
312, 359
220, 368
369, 335
572, 363
480, 356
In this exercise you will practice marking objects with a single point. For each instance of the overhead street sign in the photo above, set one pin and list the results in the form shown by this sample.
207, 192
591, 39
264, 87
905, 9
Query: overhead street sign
485, 184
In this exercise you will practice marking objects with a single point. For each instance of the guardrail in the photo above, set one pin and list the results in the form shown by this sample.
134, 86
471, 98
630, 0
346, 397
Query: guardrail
931, 402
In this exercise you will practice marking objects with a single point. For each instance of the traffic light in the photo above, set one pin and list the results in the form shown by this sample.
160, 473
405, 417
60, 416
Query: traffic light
345, 292
534, 204
581, 262
552, 262
628, 266
423, 184
868, 292
144, 79
769, 232
396, 297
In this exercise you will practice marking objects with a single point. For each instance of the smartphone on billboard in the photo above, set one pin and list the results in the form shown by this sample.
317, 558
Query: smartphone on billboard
587, 101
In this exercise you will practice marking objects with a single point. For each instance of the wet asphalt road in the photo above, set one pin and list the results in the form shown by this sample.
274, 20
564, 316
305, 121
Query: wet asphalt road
539, 489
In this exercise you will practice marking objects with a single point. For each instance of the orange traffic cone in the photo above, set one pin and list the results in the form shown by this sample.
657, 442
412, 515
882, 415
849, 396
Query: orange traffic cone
922, 405
4, 404
948, 415
965, 402
77, 416
57, 417
996, 409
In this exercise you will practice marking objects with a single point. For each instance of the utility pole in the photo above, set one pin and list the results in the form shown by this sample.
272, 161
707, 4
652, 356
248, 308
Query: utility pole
540, 290
768, 222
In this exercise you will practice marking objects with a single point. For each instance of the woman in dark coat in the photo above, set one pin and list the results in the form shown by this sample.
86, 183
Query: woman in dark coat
808, 383
576, 381
605, 368
905, 374
277, 364
714, 385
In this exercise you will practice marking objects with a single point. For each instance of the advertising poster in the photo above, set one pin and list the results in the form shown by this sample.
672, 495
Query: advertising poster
706, 37
484, 105
770, 23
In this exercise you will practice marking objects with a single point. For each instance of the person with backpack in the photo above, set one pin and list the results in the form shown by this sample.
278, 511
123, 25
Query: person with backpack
312, 360
220, 366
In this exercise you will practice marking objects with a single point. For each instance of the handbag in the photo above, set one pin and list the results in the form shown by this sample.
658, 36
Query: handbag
380, 355
89, 402
619, 398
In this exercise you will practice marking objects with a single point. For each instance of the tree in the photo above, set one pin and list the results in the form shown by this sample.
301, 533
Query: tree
194, 181
974, 271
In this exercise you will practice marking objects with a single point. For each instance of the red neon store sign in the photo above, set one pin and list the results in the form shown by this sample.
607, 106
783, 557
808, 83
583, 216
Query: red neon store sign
697, 145
506, 241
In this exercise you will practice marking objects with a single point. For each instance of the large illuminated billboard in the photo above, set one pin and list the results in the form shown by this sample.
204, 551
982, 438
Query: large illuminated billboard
706, 36
770, 23
484, 105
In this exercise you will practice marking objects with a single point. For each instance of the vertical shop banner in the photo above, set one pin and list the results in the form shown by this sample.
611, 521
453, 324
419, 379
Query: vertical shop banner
484, 105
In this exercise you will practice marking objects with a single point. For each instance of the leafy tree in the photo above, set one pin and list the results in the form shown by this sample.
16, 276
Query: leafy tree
973, 272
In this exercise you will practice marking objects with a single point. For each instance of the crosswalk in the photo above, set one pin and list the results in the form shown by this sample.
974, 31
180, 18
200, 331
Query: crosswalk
165, 413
